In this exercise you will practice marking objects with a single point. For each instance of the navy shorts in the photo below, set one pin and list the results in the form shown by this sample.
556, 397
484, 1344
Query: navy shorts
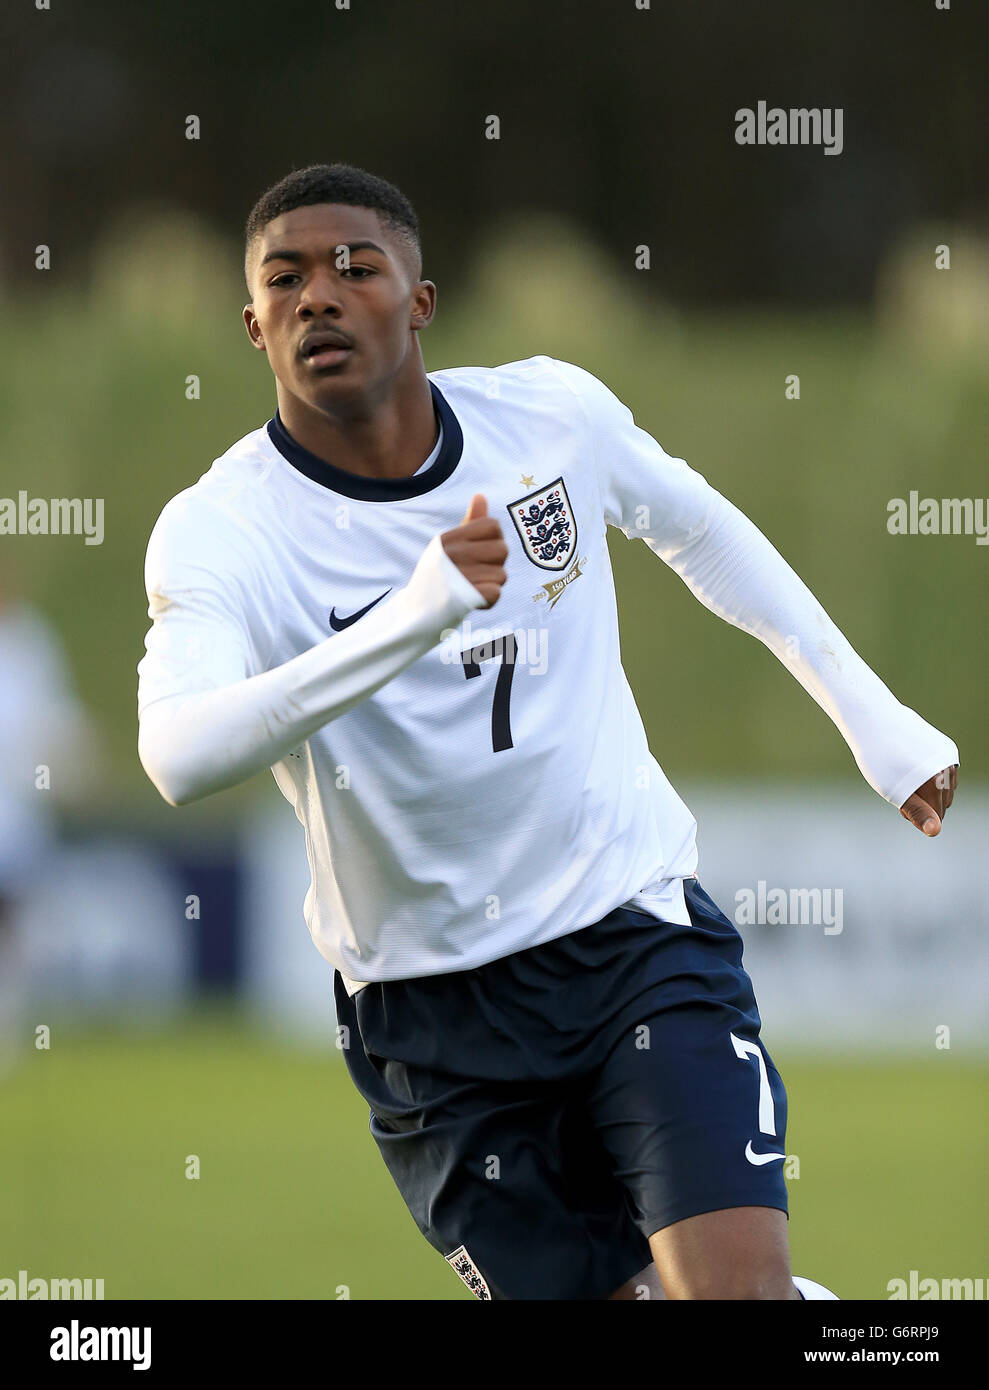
544, 1114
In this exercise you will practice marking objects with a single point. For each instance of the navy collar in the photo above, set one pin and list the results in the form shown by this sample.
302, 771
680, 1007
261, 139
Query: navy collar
376, 489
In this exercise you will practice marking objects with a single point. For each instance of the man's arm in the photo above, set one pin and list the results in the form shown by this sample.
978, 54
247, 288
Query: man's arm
730, 566
218, 728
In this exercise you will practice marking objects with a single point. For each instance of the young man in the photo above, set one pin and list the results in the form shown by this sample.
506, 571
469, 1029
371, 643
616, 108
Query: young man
546, 1013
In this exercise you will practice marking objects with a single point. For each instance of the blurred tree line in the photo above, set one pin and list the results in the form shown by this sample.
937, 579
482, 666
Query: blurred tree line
618, 117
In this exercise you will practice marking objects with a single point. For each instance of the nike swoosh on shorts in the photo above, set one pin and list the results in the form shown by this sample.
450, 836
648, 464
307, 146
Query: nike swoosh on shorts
758, 1159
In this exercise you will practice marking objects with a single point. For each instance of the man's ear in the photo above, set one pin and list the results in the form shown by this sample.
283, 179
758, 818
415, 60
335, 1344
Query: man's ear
253, 328
423, 305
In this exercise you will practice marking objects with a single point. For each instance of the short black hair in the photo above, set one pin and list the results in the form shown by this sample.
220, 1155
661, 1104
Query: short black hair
336, 183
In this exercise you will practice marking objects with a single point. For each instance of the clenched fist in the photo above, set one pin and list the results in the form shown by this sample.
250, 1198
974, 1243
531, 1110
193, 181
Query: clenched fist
478, 549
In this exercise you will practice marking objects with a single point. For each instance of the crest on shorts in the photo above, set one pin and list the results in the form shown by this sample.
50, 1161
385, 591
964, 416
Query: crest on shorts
546, 525
468, 1271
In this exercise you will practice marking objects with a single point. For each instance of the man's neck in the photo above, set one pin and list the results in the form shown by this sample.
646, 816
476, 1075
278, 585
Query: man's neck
388, 440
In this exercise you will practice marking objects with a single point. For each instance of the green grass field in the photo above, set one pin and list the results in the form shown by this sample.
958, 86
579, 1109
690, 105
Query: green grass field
293, 1200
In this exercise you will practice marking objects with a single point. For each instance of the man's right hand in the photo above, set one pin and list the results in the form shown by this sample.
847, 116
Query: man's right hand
478, 549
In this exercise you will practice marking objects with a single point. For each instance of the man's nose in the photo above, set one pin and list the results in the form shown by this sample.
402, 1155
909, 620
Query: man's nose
321, 295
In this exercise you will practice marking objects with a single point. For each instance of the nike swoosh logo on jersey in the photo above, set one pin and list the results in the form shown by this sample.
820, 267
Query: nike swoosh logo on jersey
759, 1159
338, 624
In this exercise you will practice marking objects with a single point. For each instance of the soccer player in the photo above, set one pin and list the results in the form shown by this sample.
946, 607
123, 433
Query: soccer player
397, 595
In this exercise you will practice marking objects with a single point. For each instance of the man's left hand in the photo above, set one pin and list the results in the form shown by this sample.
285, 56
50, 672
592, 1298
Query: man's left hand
927, 807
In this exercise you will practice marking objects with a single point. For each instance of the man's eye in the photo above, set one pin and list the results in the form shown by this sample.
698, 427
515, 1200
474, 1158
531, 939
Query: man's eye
288, 276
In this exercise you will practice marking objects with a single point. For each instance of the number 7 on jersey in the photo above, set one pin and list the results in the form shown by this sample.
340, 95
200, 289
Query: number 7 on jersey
505, 647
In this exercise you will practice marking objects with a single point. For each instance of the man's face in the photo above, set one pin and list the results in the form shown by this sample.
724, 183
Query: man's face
366, 302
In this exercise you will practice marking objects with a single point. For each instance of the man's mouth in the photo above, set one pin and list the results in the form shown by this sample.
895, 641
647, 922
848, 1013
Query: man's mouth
325, 349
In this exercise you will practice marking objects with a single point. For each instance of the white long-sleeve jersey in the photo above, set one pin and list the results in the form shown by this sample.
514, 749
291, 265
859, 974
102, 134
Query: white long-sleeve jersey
471, 782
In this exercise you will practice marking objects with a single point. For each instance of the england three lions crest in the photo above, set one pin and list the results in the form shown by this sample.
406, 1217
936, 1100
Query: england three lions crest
469, 1272
546, 525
